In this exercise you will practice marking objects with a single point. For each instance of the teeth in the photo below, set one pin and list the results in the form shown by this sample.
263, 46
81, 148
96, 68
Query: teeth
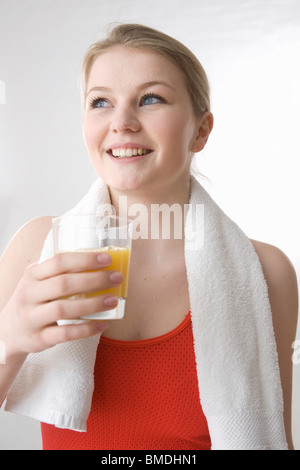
123, 153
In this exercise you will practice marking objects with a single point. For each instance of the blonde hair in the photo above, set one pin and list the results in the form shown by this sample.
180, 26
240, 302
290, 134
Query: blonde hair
139, 36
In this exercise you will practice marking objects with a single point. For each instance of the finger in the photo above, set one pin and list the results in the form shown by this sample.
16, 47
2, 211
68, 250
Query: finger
67, 285
64, 333
70, 262
50, 313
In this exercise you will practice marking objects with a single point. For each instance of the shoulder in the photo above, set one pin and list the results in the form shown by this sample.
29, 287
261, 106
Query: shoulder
30, 238
281, 281
271, 254
24, 249
279, 272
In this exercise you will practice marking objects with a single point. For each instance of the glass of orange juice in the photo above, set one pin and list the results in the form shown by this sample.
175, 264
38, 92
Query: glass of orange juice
96, 233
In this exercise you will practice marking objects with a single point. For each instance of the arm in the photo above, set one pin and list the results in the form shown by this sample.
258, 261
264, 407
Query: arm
24, 249
32, 297
283, 294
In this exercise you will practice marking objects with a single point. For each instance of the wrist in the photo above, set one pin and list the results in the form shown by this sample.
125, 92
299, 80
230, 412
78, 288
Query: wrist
9, 344
9, 355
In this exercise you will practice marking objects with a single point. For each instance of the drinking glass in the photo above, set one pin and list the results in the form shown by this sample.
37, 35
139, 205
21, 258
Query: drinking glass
95, 233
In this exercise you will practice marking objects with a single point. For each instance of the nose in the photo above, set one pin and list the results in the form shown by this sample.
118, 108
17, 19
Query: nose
124, 119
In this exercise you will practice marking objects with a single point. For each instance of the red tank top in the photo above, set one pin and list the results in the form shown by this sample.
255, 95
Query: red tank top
146, 397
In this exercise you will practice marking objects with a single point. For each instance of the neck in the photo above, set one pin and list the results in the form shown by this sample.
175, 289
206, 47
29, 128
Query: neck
158, 216
125, 201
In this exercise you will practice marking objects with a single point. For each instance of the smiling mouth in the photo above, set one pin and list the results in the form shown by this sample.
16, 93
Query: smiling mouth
128, 152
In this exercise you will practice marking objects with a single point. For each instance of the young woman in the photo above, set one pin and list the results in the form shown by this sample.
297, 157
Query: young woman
146, 112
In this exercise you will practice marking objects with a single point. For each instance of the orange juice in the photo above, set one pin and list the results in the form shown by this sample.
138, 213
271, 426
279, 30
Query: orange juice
120, 262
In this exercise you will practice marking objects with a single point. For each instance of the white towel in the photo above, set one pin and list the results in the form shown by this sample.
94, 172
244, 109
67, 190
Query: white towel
235, 349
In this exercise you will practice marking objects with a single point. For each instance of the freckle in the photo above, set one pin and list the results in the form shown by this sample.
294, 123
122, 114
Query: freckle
145, 279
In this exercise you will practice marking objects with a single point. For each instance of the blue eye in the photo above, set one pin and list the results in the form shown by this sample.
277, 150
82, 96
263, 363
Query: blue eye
151, 98
99, 103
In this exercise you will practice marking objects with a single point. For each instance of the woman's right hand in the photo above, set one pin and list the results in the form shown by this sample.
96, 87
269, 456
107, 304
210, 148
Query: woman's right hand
28, 321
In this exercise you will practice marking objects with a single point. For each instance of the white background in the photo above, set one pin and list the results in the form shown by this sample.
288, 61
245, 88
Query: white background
251, 52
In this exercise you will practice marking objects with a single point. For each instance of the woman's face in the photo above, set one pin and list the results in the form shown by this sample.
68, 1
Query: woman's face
139, 125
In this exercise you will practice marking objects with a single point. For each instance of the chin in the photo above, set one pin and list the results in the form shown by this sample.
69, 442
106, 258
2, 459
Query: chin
125, 183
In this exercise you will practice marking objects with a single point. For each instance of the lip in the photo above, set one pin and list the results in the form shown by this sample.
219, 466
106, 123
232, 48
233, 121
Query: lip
126, 160
127, 145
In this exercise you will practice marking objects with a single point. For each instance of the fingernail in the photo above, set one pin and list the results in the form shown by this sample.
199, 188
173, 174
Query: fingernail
104, 258
101, 326
110, 301
116, 277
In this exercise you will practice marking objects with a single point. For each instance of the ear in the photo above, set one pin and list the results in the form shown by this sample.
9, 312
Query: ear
204, 128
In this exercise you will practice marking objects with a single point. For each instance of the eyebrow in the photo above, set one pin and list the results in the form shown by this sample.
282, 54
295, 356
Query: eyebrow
140, 87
